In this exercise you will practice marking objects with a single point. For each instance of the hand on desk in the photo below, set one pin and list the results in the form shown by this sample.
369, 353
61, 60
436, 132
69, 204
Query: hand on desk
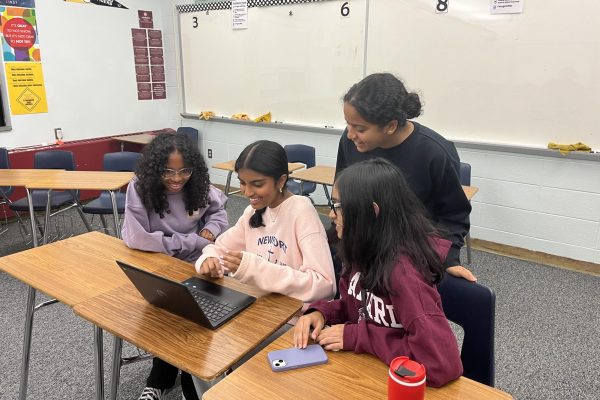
461, 272
332, 338
313, 320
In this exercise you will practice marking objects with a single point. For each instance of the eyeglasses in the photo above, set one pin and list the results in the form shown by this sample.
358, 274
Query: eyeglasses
183, 172
335, 207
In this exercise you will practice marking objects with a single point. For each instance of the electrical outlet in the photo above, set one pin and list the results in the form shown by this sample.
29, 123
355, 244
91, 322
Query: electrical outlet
209, 153
58, 135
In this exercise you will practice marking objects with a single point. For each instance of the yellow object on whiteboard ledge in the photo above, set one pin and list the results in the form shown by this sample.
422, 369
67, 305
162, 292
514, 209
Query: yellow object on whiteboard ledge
206, 115
566, 148
263, 118
241, 116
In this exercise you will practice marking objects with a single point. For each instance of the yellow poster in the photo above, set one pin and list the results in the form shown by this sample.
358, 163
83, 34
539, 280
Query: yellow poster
26, 87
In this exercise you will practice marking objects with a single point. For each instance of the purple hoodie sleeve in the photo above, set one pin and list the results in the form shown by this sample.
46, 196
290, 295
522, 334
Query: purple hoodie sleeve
215, 216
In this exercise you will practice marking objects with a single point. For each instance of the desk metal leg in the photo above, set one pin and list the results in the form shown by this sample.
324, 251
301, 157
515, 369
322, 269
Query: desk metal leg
113, 200
116, 368
27, 343
228, 183
32, 218
47, 217
327, 195
99, 361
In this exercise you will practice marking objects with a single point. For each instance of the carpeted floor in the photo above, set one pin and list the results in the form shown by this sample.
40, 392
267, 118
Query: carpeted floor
547, 332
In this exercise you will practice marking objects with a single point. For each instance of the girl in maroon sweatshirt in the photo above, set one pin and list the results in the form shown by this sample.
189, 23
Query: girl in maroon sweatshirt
393, 256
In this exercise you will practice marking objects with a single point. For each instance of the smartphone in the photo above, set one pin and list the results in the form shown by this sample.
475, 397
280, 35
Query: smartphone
284, 360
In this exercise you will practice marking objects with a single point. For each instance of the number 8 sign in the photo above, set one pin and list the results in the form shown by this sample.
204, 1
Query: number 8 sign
441, 6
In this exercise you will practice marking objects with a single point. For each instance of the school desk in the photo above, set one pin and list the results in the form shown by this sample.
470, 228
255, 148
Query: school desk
202, 352
345, 376
140, 138
71, 271
230, 167
77, 180
325, 175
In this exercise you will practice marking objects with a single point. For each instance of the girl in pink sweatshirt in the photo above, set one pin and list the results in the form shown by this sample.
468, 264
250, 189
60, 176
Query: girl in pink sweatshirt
279, 242
393, 257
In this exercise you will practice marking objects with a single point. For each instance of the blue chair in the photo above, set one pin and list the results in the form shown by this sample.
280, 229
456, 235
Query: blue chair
52, 159
120, 162
304, 154
465, 180
473, 307
192, 133
7, 191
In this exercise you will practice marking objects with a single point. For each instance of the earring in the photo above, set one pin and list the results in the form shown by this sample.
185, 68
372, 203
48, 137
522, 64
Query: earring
281, 190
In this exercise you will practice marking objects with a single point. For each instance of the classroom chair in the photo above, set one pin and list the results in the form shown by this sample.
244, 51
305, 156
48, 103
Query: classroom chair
465, 180
473, 307
121, 161
52, 159
6, 192
192, 133
306, 155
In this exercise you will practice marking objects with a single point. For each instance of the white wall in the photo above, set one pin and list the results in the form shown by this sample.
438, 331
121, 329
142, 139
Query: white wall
87, 60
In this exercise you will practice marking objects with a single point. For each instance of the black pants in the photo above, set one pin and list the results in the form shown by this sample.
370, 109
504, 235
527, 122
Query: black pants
163, 376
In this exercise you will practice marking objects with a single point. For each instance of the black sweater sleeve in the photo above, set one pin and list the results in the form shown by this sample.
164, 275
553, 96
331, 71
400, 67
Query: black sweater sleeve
451, 208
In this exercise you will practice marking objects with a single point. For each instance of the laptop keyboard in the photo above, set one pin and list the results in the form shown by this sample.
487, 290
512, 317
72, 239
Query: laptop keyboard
214, 309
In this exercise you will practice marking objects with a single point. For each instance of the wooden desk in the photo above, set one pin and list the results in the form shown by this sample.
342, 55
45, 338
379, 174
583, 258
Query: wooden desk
325, 175
21, 177
345, 376
321, 174
230, 167
78, 180
202, 352
72, 271
140, 138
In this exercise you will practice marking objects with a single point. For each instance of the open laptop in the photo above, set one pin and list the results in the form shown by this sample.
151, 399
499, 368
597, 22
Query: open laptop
198, 300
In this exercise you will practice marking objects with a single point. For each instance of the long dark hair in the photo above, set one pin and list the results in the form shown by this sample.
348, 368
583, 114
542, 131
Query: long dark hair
372, 244
152, 165
381, 98
267, 158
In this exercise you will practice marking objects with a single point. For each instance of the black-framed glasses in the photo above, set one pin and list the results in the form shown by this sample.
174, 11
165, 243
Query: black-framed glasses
335, 207
183, 172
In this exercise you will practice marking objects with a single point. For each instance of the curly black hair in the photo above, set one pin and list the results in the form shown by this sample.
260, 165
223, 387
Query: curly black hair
381, 98
152, 166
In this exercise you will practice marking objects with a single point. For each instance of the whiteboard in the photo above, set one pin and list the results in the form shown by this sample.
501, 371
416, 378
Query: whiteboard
294, 60
522, 79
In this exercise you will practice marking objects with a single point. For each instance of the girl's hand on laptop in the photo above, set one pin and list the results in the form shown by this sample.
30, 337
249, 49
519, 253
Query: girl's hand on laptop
231, 260
212, 266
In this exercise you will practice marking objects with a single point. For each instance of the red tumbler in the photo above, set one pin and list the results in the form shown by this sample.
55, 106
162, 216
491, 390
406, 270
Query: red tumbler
406, 379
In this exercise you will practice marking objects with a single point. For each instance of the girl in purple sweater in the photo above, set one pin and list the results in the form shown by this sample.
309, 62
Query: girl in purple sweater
171, 208
392, 256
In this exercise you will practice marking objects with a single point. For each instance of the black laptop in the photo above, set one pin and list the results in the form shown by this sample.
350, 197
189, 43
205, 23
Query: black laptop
198, 300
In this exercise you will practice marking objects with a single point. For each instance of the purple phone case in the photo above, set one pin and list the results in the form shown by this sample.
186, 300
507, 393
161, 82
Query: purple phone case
296, 358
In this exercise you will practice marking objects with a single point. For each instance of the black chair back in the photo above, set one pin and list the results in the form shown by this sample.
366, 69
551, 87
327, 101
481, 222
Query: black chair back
465, 174
192, 133
473, 307
5, 164
306, 155
121, 161
54, 159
